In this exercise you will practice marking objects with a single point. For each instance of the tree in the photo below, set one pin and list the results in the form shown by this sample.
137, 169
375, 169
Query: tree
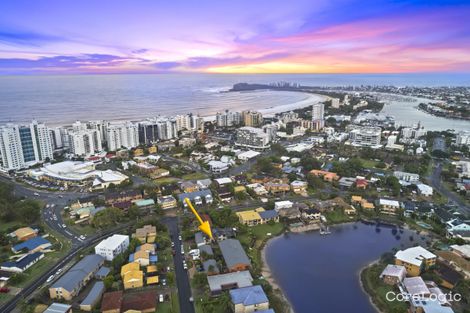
309, 163
199, 280
224, 217
133, 212
29, 211
108, 282
394, 184
315, 182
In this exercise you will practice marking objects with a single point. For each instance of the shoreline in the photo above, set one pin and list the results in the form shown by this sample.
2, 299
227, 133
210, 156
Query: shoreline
371, 300
267, 274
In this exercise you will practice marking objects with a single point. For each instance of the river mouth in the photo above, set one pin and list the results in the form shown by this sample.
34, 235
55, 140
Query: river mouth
321, 273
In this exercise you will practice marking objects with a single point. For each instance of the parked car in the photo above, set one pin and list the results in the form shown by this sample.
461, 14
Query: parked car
4, 290
160, 298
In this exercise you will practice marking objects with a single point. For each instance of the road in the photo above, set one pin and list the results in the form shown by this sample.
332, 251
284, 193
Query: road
35, 285
57, 200
182, 278
436, 182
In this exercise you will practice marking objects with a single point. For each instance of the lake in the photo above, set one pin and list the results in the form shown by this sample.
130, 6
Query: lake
321, 273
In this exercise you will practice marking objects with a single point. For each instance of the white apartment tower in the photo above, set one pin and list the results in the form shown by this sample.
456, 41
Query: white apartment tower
318, 116
24, 145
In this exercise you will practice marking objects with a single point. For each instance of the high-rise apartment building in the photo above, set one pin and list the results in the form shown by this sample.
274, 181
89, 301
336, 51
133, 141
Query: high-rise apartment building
24, 145
318, 118
252, 118
84, 142
122, 135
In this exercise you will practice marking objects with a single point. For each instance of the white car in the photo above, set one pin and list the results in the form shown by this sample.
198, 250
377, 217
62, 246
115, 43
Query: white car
50, 279
160, 298
179, 238
63, 225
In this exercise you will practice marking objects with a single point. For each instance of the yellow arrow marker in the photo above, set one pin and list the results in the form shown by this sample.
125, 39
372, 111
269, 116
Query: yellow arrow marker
205, 227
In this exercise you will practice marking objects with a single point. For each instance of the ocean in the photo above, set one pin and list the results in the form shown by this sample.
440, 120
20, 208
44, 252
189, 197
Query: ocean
61, 100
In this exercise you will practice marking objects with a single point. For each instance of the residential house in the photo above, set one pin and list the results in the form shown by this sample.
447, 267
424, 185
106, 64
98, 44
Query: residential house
197, 197
387, 206
69, 285
32, 245
299, 187
415, 286
112, 246
142, 301
448, 276
102, 272
25, 233
234, 255
424, 190
93, 297
258, 189
327, 176
276, 186
279, 205
222, 282
204, 183
148, 233
311, 214
249, 299
347, 182
462, 250
131, 195
415, 260
210, 267
188, 186
112, 302
132, 276
167, 202
59, 308
22, 264
393, 274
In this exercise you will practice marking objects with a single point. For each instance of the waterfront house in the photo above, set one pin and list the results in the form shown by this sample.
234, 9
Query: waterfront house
234, 255
393, 274
415, 260
69, 285
257, 216
448, 276
249, 299
387, 206
415, 286
221, 282
311, 214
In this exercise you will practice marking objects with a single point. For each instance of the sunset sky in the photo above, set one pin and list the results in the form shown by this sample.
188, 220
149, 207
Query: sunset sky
288, 36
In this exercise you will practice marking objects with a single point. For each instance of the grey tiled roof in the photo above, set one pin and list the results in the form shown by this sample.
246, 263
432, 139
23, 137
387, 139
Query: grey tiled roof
233, 252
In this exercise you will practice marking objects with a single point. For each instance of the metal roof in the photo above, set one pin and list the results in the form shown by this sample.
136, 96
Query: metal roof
233, 253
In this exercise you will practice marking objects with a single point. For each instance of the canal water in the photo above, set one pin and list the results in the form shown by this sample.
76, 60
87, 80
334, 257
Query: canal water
321, 273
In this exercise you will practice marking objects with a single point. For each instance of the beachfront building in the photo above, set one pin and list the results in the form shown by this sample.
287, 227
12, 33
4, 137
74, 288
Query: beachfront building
249, 299
24, 145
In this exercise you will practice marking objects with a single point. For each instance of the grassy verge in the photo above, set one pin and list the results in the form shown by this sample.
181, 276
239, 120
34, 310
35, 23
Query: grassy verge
194, 176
